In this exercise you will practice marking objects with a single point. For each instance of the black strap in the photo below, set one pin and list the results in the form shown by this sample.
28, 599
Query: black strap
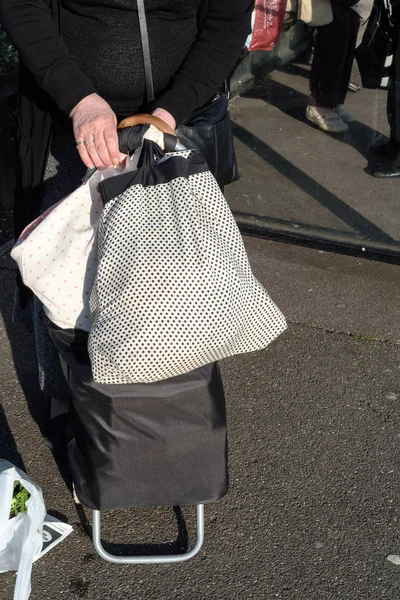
148, 72
146, 51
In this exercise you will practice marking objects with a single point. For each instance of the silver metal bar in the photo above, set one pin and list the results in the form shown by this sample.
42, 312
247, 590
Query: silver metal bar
146, 560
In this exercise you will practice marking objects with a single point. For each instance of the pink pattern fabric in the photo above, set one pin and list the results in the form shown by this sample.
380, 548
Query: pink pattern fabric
57, 253
57, 257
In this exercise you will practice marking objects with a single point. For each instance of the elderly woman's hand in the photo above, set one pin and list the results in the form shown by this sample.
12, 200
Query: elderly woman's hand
165, 116
95, 124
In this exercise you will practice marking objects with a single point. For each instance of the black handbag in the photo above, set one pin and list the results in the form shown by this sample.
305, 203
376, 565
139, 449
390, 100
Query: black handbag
208, 129
376, 52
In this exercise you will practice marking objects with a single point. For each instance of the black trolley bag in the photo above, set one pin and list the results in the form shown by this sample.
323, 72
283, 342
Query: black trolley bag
136, 445
143, 444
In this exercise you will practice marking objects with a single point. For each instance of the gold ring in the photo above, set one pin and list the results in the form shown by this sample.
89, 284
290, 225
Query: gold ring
86, 142
79, 143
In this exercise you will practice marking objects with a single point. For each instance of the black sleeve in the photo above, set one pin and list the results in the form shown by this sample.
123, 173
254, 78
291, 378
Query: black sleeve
32, 29
212, 56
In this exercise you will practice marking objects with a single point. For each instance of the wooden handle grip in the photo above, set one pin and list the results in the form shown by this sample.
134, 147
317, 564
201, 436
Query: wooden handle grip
142, 119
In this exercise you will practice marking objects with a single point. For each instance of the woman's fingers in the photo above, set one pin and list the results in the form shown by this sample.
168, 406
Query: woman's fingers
98, 150
101, 146
111, 140
95, 150
83, 153
96, 159
94, 153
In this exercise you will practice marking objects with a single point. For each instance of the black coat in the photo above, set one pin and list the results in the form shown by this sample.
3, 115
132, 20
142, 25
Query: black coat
34, 131
35, 105
33, 146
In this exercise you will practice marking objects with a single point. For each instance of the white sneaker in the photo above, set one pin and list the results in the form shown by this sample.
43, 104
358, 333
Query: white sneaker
345, 116
329, 122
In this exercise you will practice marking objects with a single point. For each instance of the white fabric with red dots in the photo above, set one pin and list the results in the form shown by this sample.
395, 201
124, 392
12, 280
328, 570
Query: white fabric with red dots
57, 253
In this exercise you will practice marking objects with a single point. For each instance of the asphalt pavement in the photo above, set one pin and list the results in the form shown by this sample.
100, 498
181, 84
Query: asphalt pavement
314, 503
297, 180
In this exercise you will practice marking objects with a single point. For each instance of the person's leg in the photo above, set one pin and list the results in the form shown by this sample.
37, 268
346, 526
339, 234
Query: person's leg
330, 53
354, 26
326, 72
393, 104
391, 107
391, 153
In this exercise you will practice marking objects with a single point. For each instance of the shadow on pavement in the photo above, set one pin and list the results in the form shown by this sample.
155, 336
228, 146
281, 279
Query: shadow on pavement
9, 449
23, 353
21, 344
293, 103
298, 69
322, 195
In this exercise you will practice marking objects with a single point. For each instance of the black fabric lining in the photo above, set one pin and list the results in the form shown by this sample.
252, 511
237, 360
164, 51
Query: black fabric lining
163, 172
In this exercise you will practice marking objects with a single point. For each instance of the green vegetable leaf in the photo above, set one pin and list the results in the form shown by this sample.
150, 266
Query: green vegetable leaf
19, 499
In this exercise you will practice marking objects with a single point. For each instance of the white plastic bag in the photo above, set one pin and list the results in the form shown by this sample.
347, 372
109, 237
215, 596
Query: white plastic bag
20, 537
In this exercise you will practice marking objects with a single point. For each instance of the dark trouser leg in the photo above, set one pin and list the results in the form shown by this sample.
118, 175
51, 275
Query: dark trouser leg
330, 57
393, 103
354, 26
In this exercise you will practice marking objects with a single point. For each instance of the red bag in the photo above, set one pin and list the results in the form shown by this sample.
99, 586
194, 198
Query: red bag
268, 24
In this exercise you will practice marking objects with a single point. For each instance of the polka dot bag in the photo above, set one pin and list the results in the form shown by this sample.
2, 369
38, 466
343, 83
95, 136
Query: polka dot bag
174, 289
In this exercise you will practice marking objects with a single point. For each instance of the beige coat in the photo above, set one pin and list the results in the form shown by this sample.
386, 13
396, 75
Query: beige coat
315, 12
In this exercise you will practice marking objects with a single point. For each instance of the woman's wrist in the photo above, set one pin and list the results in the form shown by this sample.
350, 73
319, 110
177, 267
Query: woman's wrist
165, 116
82, 103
